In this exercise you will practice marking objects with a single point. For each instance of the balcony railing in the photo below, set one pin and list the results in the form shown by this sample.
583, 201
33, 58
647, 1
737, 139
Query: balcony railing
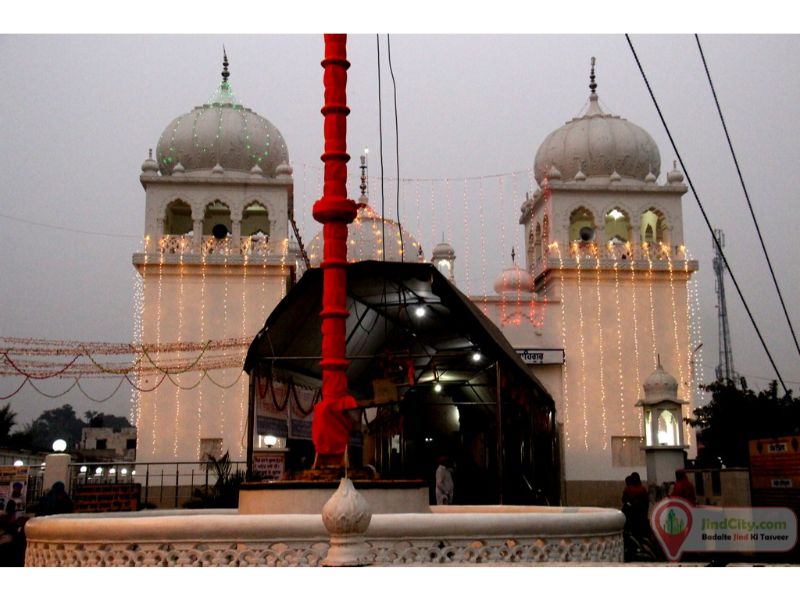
259, 246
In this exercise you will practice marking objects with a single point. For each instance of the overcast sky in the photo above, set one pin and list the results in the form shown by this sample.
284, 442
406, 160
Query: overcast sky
80, 112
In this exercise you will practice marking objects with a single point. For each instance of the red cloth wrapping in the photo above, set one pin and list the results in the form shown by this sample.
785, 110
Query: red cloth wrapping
331, 426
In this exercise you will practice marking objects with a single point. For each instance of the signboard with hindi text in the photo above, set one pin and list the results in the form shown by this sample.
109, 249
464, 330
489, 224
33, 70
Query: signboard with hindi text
541, 356
269, 464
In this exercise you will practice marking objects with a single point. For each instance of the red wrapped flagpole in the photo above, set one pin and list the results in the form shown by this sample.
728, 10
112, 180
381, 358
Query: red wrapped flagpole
330, 428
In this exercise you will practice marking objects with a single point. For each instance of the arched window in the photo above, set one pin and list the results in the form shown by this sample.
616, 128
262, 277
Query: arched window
581, 225
255, 220
177, 218
653, 226
667, 429
617, 226
217, 213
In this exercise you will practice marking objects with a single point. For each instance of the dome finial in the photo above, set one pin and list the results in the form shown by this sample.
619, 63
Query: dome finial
513, 256
364, 199
592, 82
225, 63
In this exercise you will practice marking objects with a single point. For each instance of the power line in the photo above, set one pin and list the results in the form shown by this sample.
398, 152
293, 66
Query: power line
746, 195
396, 148
705, 216
71, 230
380, 150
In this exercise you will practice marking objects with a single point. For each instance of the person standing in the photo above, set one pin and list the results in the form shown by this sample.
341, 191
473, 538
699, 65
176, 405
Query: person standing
636, 505
444, 482
683, 488
55, 501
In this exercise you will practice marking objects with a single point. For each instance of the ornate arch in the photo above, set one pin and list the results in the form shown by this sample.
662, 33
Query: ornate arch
177, 217
255, 218
582, 224
617, 224
216, 212
654, 225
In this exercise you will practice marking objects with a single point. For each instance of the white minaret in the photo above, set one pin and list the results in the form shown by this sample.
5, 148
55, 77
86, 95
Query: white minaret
443, 258
604, 246
217, 259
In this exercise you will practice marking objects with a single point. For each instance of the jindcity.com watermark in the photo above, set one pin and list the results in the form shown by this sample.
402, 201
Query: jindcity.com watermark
681, 527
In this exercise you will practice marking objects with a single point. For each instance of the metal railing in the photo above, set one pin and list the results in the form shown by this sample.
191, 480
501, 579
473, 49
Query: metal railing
164, 484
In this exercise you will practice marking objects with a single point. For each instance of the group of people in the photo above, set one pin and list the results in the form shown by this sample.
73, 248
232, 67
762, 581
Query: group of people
12, 523
638, 537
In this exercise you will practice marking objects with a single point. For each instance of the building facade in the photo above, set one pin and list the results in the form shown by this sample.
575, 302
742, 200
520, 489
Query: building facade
600, 295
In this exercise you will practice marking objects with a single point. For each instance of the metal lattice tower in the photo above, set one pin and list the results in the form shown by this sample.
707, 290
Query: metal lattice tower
724, 370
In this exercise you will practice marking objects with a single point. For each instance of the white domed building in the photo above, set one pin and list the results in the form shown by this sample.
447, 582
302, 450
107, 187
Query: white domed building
217, 259
604, 291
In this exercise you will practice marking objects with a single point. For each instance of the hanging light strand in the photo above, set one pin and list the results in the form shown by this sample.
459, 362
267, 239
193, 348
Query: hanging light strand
584, 387
601, 345
565, 378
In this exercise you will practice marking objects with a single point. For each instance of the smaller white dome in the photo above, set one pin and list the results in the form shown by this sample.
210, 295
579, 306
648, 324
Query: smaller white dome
284, 169
675, 176
149, 165
513, 280
554, 173
660, 386
443, 250
365, 240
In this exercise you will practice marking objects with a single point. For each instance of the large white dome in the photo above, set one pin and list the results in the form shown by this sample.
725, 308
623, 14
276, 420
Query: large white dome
598, 144
221, 132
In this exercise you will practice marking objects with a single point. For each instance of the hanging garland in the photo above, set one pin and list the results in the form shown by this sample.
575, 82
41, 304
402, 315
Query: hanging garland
37, 369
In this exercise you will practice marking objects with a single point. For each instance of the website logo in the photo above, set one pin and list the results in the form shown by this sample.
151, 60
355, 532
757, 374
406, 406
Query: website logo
672, 521
680, 527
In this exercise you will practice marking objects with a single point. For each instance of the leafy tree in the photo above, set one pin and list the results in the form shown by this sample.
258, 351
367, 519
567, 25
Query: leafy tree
8, 419
735, 415
53, 424
98, 419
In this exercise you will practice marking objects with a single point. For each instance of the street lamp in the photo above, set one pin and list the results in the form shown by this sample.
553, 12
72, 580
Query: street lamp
59, 445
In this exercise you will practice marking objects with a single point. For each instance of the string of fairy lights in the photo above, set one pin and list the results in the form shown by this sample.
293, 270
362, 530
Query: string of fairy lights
230, 312
604, 423
620, 356
582, 348
565, 378
678, 360
634, 305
